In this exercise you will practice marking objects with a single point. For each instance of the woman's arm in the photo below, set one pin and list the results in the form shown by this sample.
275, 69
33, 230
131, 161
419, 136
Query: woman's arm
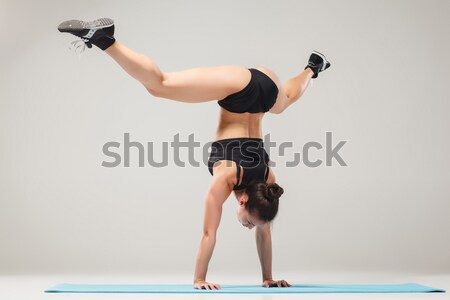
264, 241
264, 246
218, 192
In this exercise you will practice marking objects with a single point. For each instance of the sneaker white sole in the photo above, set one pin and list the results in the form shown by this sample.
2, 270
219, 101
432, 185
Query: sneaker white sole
98, 23
76, 25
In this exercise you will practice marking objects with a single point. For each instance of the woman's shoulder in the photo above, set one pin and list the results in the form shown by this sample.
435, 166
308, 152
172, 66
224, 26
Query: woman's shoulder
226, 170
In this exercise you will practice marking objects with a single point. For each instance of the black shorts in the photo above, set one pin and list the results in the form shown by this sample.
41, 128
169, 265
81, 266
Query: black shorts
259, 95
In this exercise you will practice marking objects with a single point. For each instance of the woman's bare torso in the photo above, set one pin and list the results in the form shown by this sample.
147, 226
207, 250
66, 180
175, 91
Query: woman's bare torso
232, 125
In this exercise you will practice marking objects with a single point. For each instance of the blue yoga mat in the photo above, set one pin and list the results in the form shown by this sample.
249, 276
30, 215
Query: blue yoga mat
241, 289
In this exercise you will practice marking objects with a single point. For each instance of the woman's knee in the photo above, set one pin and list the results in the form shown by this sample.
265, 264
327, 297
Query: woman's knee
155, 89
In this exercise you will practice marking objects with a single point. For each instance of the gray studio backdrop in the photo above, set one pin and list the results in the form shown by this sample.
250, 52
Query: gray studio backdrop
386, 95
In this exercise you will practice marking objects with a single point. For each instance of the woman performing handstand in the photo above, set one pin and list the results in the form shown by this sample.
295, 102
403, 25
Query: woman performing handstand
238, 161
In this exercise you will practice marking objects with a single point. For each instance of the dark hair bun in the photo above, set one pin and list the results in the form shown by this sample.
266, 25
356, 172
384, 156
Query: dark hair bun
274, 190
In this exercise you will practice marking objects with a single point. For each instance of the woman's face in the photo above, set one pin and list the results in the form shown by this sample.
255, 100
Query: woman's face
244, 217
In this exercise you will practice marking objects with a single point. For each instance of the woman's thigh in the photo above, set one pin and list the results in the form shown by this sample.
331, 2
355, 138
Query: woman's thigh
203, 83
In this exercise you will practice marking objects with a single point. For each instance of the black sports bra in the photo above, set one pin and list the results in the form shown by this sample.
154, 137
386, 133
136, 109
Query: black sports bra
246, 152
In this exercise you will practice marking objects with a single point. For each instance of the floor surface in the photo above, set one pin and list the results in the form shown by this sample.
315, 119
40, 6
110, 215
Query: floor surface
25, 287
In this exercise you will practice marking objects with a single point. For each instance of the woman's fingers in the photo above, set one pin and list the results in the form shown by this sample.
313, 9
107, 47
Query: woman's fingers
210, 286
276, 283
285, 283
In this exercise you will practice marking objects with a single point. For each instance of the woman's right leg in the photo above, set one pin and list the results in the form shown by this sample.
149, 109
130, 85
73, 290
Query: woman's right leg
296, 86
191, 85
291, 91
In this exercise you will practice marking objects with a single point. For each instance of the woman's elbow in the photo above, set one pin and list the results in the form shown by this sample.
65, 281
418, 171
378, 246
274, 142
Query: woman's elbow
209, 234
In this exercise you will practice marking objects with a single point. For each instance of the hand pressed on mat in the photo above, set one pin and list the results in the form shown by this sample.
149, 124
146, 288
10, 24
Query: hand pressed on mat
275, 283
203, 285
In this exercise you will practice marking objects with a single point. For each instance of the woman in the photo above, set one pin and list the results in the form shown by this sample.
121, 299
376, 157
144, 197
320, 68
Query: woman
246, 94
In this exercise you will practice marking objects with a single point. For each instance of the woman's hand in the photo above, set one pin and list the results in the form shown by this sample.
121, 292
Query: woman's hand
274, 283
203, 285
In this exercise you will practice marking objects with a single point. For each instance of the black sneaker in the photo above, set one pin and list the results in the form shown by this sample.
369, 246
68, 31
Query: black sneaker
99, 32
318, 63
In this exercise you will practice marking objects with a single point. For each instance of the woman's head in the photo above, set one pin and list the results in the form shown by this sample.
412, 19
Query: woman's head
259, 203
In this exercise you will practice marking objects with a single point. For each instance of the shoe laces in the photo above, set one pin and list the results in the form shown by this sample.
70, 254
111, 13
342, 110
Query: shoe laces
79, 46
